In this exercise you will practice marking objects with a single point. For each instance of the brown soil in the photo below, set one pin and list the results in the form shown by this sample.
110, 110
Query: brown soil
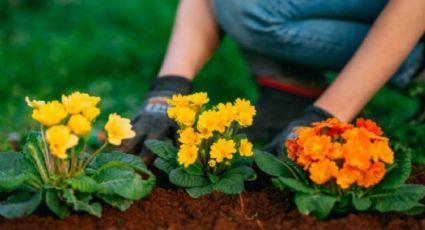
169, 208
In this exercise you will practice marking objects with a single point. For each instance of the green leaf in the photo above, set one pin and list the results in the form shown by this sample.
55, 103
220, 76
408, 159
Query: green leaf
419, 209
81, 202
196, 192
82, 184
55, 204
245, 171
296, 185
124, 182
130, 160
318, 205
163, 149
399, 199
230, 184
241, 161
116, 201
181, 178
164, 165
273, 166
195, 169
400, 173
20, 204
15, 171
213, 178
361, 203
277, 183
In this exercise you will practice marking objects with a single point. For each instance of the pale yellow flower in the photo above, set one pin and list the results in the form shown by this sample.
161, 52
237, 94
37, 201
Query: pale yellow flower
91, 112
77, 102
222, 149
49, 114
245, 148
34, 103
118, 128
79, 125
60, 139
187, 155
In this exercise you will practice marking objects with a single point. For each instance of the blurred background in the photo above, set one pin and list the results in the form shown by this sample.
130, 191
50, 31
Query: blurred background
113, 49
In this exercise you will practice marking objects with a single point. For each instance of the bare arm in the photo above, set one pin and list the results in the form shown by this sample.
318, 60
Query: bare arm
393, 36
195, 37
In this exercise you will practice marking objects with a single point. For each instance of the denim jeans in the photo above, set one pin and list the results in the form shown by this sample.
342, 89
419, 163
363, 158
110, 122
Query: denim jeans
317, 35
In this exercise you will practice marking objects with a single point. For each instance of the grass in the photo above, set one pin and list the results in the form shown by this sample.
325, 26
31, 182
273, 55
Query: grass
113, 49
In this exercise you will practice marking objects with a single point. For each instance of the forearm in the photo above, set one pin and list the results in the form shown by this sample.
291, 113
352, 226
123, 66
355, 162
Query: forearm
194, 38
392, 37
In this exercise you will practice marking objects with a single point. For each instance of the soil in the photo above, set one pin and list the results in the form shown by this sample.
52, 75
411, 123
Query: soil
171, 208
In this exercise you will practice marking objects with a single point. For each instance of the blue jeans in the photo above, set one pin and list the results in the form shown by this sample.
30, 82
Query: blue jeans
313, 34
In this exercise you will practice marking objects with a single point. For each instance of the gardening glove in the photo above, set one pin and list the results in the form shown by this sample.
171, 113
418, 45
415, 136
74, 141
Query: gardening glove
152, 122
311, 114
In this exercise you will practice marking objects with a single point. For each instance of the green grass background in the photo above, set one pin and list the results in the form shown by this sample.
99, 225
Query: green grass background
114, 49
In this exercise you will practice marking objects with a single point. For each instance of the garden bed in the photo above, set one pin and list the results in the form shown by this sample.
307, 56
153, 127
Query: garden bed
170, 208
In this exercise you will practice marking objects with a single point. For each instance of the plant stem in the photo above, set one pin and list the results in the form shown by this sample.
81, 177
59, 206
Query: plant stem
73, 162
94, 154
46, 154
40, 167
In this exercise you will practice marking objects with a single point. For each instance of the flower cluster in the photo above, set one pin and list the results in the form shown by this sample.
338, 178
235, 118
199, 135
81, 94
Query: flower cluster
209, 135
71, 119
349, 154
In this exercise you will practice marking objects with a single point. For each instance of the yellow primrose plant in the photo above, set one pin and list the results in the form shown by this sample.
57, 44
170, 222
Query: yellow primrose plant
211, 155
56, 168
334, 166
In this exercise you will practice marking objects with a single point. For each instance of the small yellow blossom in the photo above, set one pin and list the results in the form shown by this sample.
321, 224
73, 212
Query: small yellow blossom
178, 100
49, 114
212, 163
77, 102
182, 115
245, 148
187, 155
228, 112
210, 121
189, 136
222, 149
91, 112
34, 103
60, 139
198, 99
79, 125
118, 128
246, 112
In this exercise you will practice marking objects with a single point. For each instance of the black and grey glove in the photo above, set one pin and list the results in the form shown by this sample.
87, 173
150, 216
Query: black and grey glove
152, 122
311, 114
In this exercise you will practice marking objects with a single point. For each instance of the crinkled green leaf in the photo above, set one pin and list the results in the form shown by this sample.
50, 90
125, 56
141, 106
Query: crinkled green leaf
116, 201
277, 183
82, 184
399, 199
318, 205
15, 171
124, 182
164, 165
163, 149
273, 166
296, 185
361, 203
181, 178
196, 192
55, 204
230, 184
195, 169
245, 171
81, 202
400, 173
20, 204
130, 160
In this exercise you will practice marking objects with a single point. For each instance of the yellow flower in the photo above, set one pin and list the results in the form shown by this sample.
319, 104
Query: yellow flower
77, 102
322, 171
222, 149
210, 121
49, 114
245, 148
187, 155
198, 99
182, 115
189, 136
34, 103
60, 139
246, 112
212, 163
118, 128
91, 112
178, 100
79, 125
228, 112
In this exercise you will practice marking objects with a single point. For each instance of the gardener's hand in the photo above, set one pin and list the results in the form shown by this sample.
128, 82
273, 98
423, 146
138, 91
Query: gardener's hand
311, 114
152, 122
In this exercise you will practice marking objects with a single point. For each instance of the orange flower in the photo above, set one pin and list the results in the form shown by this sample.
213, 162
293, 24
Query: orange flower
347, 176
304, 161
331, 127
356, 150
369, 125
292, 148
382, 151
317, 147
322, 171
372, 175
335, 153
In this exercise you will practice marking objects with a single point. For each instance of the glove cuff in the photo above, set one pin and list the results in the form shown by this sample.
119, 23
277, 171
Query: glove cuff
319, 114
174, 83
